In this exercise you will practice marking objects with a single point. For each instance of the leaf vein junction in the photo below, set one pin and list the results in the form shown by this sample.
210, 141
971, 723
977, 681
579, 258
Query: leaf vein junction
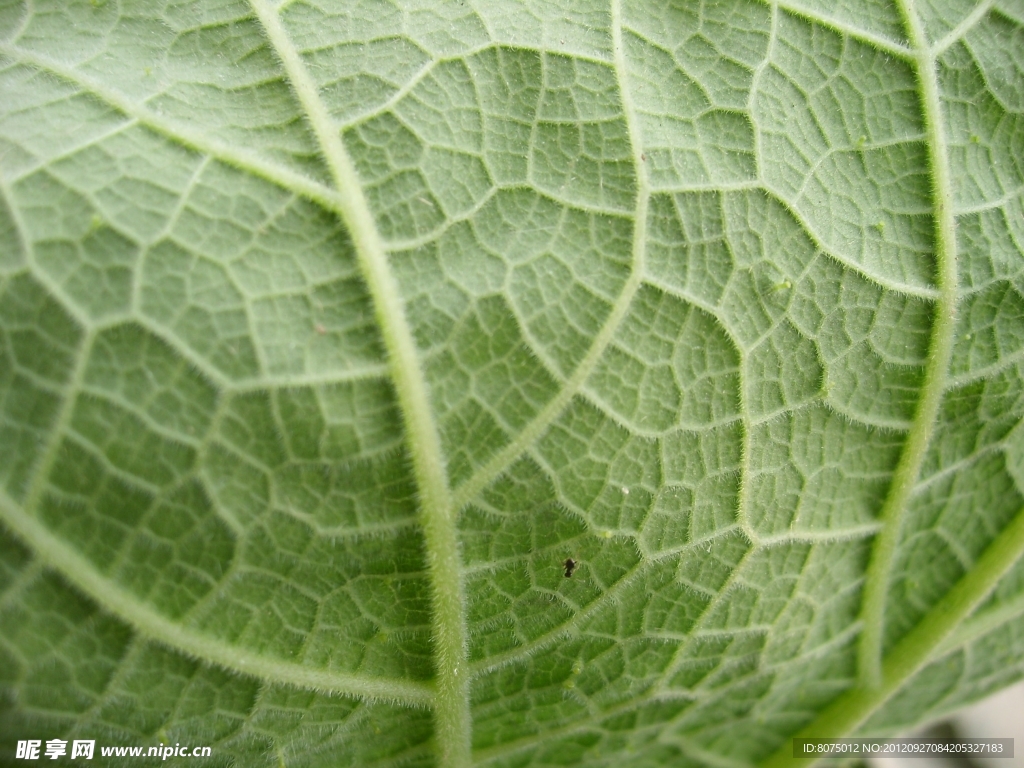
80, 572
940, 351
451, 703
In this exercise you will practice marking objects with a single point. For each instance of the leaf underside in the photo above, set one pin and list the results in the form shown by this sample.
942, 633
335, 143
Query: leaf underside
331, 329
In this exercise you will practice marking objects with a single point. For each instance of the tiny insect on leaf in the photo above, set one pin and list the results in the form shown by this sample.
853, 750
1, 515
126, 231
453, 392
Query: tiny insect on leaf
570, 566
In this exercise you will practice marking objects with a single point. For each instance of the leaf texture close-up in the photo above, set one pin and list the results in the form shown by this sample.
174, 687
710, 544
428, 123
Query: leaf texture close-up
331, 331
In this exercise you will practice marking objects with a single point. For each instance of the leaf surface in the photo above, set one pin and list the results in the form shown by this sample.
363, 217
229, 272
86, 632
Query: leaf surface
330, 331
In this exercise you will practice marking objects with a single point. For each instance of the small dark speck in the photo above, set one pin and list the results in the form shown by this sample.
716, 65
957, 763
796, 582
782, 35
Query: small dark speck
570, 566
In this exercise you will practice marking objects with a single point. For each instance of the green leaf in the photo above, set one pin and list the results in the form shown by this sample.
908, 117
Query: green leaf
330, 330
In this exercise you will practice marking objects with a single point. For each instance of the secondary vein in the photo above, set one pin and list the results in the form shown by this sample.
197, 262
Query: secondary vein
451, 705
918, 648
179, 132
83, 574
504, 458
940, 350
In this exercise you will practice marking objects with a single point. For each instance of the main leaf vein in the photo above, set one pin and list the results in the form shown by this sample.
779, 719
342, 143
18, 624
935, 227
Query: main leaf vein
451, 705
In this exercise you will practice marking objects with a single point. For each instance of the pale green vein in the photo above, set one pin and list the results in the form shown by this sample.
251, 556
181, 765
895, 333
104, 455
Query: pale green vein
940, 351
951, 470
367, 372
590, 723
115, 684
451, 704
746, 446
977, 14
504, 458
82, 573
173, 218
917, 649
907, 289
7, 200
525, 651
816, 238
183, 134
13, 590
596, 722
61, 423
748, 185
797, 536
140, 412
166, 335
610, 596
838, 25
991, 203
16, 31
96, 140
680, 656
868, 419
69, 305
206, 449
1004, 363
392, 101
412, 243
980, 625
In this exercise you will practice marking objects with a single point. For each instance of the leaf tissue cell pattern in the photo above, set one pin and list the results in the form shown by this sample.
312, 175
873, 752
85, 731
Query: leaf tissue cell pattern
334, 336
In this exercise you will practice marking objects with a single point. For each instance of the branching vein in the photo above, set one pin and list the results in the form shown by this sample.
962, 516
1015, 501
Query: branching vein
532, 431
81, 572
452, 715
940, 351
919, 647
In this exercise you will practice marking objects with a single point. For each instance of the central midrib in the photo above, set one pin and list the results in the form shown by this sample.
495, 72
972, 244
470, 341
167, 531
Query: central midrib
451, 704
